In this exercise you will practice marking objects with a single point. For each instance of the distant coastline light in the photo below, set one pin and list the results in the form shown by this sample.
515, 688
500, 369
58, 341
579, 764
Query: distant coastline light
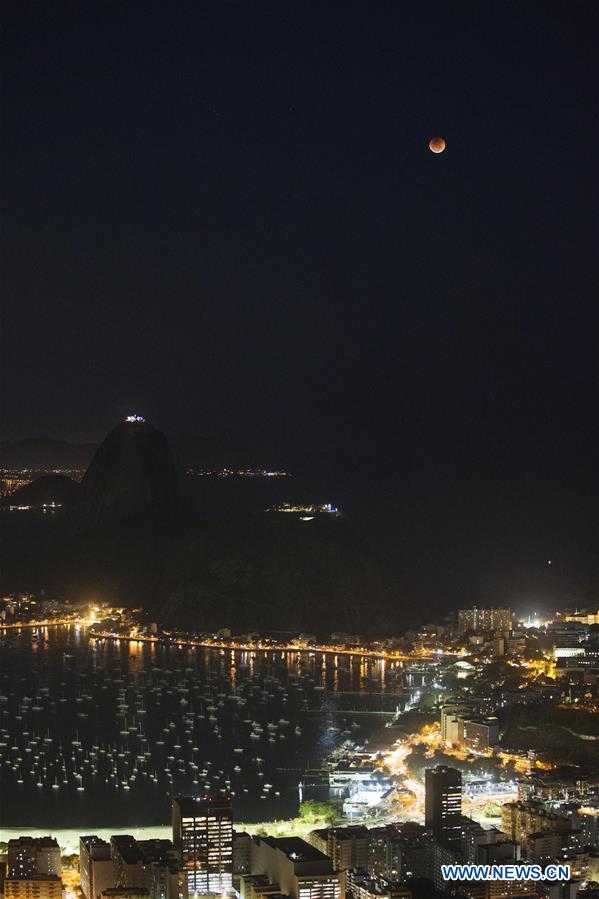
135, 418
310, 509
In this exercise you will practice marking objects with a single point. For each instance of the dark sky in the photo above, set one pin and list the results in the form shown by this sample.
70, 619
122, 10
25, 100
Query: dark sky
226, 212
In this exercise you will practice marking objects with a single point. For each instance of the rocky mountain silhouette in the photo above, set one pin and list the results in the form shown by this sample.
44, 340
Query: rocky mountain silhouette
133, 475
263, 572
130, 540
277, 572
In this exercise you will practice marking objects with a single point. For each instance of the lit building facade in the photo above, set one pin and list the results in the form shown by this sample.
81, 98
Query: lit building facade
451, 715
242, 853
95, 866
480, 733
203, 834
491, 619
30, 856
385, 852
36, 886
443, 804
128, 861
522, 818
347, 847
165, 876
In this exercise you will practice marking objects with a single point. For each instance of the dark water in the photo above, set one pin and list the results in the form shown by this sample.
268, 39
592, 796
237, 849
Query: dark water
127, 723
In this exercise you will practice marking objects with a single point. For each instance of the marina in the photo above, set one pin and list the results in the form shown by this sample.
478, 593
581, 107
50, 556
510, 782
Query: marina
87, 720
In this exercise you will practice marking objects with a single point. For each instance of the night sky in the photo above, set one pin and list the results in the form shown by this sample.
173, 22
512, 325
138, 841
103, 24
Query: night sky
225, 215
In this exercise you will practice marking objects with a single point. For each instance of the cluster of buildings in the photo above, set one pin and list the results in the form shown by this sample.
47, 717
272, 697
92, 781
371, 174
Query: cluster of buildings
484, 619
19, 607
12, 479
385, 860
33, 869
553, 820
40, 608
207, 857
530, 830
461, 726
564, 651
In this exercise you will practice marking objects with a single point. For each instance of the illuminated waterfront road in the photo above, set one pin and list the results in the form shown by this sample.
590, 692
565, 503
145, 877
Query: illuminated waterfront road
66, 622
364, 652
279, 647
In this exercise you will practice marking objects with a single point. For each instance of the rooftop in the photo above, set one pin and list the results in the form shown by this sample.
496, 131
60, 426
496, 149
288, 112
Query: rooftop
92, 840
38, 842
352, 830
296, 849
192, 807
128, 848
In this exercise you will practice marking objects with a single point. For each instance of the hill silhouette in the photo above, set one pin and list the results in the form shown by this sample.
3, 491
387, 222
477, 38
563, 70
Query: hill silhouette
276, 572
131, 540
257, 572
133, 475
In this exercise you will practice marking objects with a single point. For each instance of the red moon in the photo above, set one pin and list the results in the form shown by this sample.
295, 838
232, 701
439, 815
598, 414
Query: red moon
436, 144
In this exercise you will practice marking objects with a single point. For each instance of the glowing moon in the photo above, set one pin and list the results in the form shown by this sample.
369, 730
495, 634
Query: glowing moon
436, 144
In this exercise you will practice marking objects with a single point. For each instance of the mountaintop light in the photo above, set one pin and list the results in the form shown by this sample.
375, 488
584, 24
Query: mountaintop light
135, 418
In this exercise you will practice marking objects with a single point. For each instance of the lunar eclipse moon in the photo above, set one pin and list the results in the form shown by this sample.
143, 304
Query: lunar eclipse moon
436, 144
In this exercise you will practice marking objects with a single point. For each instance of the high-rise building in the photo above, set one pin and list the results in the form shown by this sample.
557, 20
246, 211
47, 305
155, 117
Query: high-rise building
439, 853
384, 852
242, 852
414, 850
347, 847
203, 834
128, 861
319, 838
95, 866
545, 845
295, 868
443, 804
521, 818
486, 844
476, 619
30, 856
165, 876
480, 733
451, 714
